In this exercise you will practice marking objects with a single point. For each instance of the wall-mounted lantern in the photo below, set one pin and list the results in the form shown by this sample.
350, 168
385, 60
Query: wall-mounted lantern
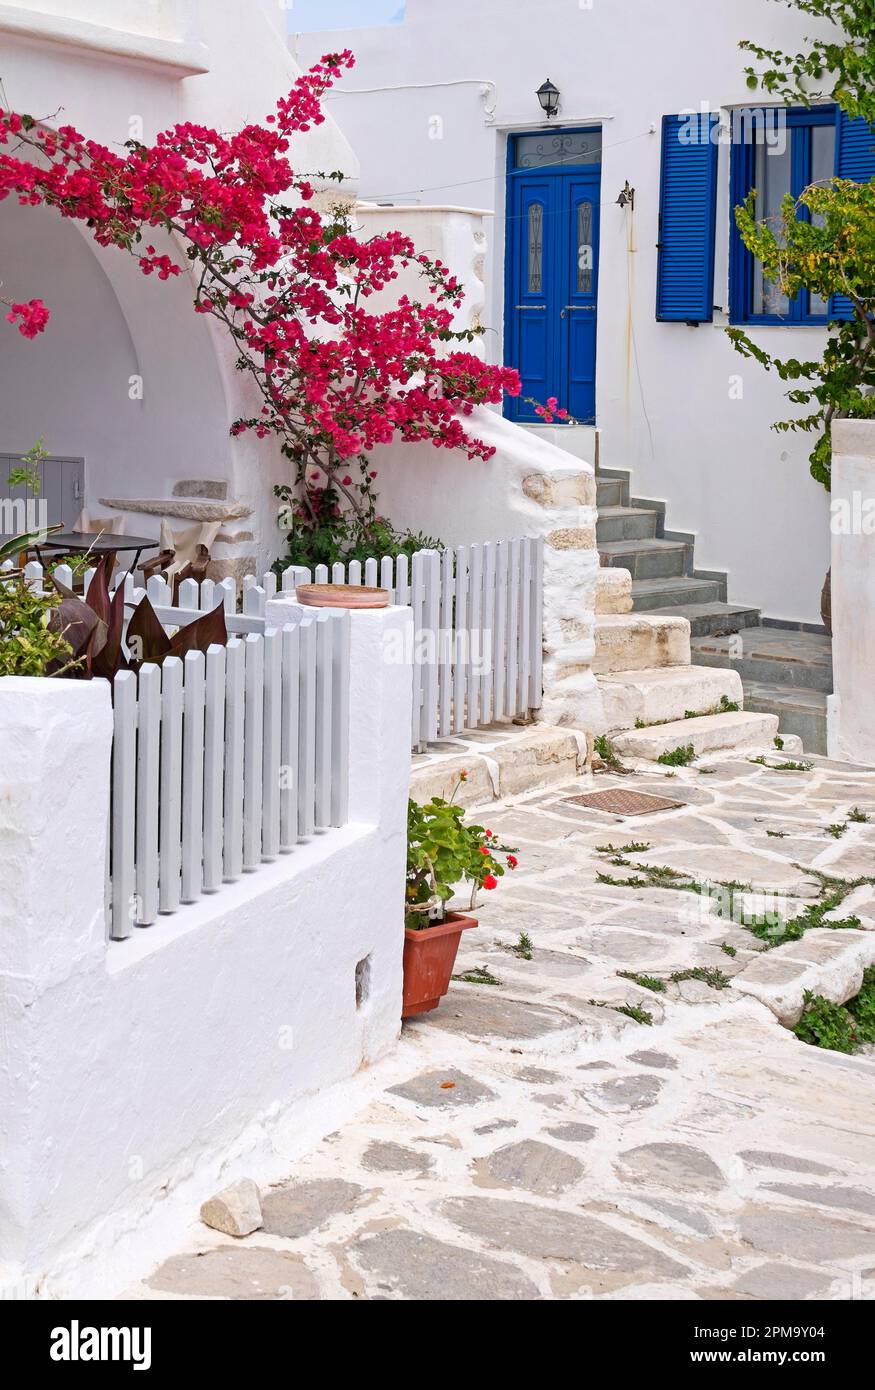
548, 96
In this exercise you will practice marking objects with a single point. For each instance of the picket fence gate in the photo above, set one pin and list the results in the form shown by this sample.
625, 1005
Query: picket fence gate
225, 760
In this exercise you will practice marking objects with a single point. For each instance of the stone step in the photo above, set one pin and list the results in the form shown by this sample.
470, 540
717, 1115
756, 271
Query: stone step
503, 760
630, 642
655, 694
771, 656
799, 711
712, 618
611, 492
613, 592
709, 734
667, 594
625, 524
648, 559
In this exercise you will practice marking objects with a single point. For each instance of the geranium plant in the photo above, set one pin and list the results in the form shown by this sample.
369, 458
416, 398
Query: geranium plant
289, 285
443, 851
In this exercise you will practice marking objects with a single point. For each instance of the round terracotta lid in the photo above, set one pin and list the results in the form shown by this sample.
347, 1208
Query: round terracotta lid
341, 596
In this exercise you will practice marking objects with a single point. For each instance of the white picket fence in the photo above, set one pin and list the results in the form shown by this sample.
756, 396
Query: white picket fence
477, 620
225, 760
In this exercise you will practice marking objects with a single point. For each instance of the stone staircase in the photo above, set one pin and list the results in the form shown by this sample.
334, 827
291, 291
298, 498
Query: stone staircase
650, 688
777, 671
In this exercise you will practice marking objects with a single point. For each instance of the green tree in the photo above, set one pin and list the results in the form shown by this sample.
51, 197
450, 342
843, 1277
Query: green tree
824, 241
845, 61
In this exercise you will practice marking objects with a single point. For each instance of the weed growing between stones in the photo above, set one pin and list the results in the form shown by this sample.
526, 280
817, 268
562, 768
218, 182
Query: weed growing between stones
479, 976
727, 949
634, 1011
837, 830
790, 766
607, 752
645, 981
772, 931
633, 847
857, 816
524, 947
708, 974
725, 706
814, 915
678, 757
839, 1027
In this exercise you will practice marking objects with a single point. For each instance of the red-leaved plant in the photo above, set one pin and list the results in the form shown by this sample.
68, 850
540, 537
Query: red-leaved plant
94, 630
290, 286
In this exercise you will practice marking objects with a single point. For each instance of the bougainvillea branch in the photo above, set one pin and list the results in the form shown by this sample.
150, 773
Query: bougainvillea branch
289, 285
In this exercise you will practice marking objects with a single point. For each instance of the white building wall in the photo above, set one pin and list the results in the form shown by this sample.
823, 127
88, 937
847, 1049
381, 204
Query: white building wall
137, 1077
452, 82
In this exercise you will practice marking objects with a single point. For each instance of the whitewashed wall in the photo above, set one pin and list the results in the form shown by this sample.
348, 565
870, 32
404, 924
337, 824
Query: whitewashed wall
850, 725
119, 70
457, 78
136, 1077
528, 488
455, 236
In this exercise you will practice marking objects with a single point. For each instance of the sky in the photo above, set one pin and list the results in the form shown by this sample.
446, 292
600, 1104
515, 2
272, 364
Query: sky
305, 16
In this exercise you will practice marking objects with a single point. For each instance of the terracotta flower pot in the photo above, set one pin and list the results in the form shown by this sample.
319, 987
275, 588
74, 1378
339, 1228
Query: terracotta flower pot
341, 596
429, 957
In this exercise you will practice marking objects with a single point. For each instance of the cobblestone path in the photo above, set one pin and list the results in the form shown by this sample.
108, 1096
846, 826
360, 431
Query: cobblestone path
528, 1141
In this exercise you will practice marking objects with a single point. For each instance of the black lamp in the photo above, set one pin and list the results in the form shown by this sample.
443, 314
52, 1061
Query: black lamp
548, 96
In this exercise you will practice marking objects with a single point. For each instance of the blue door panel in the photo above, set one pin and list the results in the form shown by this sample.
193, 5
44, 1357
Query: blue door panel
552, 281
578, 315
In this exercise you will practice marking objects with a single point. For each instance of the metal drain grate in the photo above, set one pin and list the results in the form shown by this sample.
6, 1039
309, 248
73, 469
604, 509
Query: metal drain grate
622, 803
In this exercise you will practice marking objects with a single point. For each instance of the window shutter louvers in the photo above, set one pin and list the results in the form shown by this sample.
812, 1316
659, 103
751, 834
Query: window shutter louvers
687, 204
855, 159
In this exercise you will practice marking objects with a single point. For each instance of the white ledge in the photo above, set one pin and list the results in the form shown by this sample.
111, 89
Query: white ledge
189, 508
184, 57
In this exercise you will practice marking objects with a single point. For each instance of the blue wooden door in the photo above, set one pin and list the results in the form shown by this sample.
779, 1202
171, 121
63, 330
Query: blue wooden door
552, 272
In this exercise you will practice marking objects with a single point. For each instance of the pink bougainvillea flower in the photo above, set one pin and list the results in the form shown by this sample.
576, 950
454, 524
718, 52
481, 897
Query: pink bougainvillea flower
32, 317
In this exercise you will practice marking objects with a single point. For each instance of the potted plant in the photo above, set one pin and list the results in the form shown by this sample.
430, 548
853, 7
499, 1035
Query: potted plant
442, 851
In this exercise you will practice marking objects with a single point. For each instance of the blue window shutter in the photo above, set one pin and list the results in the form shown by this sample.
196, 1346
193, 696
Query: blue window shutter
855, 159
687, 204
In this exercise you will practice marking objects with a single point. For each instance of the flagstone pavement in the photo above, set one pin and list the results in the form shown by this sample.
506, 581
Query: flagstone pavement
528, 1141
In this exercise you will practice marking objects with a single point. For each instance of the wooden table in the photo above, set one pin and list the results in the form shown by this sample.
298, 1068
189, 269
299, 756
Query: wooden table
96, 543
